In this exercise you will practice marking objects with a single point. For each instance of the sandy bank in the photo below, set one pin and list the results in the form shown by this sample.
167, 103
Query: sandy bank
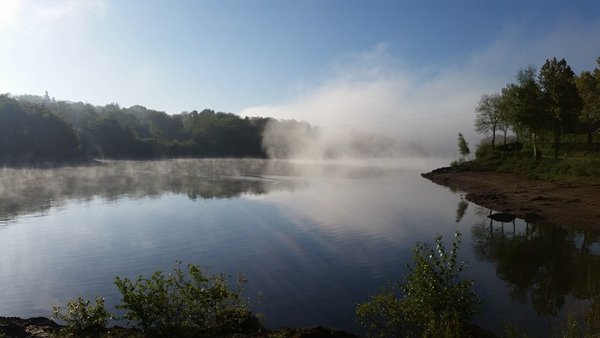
576, 206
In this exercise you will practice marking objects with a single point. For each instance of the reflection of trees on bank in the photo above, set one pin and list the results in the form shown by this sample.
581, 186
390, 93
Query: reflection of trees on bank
461, 208
543, 263
25, 191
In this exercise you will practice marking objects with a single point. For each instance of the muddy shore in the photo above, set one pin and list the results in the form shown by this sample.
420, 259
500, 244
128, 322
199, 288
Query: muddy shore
573, 205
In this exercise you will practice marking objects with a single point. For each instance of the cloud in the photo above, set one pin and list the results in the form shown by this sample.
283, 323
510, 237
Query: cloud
9, 10
375, 91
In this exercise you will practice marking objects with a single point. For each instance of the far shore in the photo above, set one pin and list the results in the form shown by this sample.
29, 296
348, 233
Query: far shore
573, 205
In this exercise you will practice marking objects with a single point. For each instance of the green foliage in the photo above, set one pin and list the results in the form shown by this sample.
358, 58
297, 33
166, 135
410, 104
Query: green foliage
432, 303
486, 151
382, 316
588, 85
183, 303
561, 97
81, 317
490, 115
31, 134
570, 169
463, 146
456, 164
35, 129
512, 332
541, 108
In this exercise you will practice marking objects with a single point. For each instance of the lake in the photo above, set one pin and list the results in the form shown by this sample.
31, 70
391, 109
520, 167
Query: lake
313, 238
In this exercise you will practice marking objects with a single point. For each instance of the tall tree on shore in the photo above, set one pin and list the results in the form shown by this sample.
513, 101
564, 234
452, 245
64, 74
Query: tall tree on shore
588, 85
528, 104
489, 115
506, 108
563, 103
463, 146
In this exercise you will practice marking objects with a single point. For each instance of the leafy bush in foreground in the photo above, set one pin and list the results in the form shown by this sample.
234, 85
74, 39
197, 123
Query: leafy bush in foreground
184, 304
81, 317
432, 303
188, 303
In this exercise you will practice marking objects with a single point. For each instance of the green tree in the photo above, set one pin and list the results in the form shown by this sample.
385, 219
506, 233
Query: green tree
31, 134
563, 103
527, 104
489, 116
588, 85
463, 146
506, 111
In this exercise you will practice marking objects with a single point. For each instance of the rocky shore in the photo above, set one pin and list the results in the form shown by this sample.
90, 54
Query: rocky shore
43, 327
573, 205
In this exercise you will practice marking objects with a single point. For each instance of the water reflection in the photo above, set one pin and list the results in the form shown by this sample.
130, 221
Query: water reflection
461, 208
544, 264
313, 238
35, 191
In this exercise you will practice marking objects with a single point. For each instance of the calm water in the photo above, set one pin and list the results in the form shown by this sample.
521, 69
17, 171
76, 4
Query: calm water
313, 238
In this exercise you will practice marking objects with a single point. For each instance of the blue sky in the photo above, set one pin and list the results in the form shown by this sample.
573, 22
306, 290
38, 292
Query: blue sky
387, 64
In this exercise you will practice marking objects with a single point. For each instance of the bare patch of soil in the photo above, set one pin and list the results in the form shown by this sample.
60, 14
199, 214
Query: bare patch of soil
573, 205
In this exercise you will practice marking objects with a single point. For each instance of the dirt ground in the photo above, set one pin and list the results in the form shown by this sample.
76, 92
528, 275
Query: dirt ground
572, 205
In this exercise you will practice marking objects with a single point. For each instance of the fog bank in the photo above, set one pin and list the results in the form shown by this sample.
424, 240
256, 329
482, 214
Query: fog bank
417, 110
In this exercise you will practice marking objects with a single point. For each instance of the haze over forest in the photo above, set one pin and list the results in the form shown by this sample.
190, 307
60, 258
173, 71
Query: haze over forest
410, 73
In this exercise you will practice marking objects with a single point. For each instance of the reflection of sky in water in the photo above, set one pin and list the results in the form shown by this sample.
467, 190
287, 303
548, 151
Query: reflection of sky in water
313, 243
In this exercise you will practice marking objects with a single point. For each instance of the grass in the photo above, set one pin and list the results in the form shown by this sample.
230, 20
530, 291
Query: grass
570, 169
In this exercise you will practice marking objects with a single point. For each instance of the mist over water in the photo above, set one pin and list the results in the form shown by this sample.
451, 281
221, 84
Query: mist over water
292, 139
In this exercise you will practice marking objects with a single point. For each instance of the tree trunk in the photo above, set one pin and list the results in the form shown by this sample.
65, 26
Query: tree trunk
534, 148
493, 136
557, 131
505, 136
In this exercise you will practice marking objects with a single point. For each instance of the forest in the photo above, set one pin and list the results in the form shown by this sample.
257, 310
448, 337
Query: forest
39, 130
553, 111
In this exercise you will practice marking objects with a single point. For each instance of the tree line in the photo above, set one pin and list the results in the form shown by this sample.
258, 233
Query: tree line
37, 129
545, 107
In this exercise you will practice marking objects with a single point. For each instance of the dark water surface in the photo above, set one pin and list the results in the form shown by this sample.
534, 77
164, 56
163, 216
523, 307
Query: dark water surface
313, 238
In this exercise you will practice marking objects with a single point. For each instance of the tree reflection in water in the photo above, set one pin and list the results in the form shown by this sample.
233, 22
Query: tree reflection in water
544, 263
36, 191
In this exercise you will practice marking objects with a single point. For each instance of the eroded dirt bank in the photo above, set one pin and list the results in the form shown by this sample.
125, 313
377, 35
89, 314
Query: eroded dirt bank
573, 205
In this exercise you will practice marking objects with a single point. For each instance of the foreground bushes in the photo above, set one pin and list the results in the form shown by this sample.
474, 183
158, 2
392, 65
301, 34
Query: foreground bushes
432, 303
191, 303
82, 317
184, 304
181, 304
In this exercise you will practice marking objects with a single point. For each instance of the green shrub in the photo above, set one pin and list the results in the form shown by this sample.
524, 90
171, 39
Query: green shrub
485, 150
83, 318
432, 303
183, 304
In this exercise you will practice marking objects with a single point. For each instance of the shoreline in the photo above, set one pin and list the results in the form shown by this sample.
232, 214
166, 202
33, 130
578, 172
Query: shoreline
46, 327
567, 204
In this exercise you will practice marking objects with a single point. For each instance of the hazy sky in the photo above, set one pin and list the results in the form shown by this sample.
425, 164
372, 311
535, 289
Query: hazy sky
386, 65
